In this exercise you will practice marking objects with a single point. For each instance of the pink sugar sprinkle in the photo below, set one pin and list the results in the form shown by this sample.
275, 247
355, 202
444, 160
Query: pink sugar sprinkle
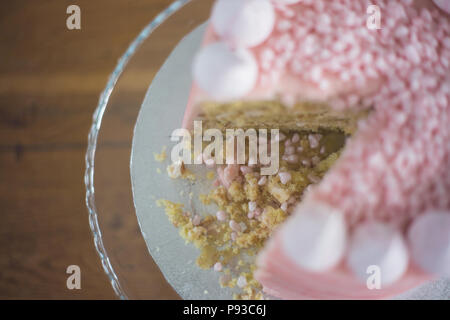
313, 178
446, 42
221, 215
291, 200
284, 25
412, 54
210, 162
235, 226
245, 170
397, 163
280, 137
285, 177
293, 158
313, 141
289, 150
241, 282
196, 220
228, 174
257, 212
262, 181
218, 267
306, 162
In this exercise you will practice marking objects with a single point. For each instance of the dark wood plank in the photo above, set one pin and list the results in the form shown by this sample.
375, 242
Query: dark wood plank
50, 80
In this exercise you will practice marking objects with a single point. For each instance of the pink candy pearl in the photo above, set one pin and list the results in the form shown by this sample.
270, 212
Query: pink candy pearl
221, 215
245, 170
285, 177
196, 220
235, 226
218, 267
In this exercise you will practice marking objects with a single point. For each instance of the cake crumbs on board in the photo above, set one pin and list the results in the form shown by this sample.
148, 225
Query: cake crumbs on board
249, 212
162, 156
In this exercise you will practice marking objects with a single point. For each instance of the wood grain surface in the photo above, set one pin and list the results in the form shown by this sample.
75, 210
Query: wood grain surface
50, 80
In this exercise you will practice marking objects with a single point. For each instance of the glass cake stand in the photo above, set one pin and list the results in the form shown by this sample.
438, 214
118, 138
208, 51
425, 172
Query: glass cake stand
118, 240
142, 103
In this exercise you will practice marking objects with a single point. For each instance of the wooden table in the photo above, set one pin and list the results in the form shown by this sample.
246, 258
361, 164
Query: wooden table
50, 80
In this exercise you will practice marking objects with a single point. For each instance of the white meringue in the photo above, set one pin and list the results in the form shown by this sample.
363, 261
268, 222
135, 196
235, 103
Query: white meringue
243, 23
429, 238
381, 245
223, 73
315, 238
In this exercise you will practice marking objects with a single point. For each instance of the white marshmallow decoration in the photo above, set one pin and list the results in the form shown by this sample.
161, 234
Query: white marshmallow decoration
429, 239
380, 245
223, 73
243, 23
315, 237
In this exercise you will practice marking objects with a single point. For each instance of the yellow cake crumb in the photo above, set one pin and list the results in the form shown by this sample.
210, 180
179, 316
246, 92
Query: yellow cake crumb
210, 175
178, 170
160, 157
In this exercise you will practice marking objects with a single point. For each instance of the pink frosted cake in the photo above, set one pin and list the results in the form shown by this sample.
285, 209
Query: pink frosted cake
378, 73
